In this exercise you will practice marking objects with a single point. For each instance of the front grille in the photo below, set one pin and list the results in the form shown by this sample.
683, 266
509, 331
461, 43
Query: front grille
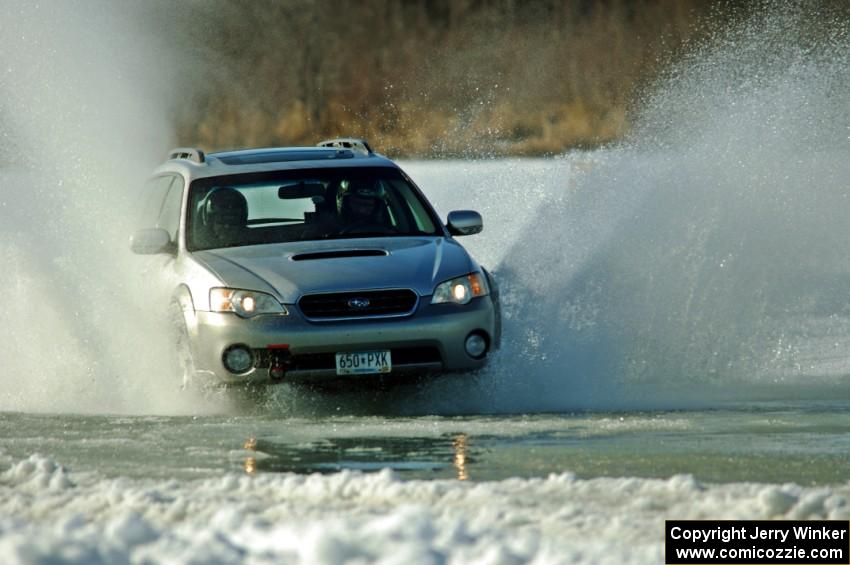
370, 303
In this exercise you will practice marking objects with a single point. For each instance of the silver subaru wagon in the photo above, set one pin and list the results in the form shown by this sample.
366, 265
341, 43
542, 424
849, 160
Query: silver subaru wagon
313, 263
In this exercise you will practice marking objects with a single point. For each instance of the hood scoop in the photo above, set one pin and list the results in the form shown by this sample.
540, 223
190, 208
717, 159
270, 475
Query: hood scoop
340, 254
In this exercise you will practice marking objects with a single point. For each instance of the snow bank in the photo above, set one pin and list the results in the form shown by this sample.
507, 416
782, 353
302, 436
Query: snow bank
48, 514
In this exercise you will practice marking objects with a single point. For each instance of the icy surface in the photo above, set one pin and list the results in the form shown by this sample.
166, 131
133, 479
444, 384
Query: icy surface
49, 514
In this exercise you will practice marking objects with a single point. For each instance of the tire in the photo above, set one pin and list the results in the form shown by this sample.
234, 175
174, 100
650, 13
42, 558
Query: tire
497, 309
183, 349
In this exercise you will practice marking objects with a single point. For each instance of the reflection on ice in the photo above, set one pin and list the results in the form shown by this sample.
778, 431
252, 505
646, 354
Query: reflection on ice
461, 446
441, 456
250, 465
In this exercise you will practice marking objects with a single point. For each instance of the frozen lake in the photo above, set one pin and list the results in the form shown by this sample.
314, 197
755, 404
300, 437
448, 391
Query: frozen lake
491, 489
773, 443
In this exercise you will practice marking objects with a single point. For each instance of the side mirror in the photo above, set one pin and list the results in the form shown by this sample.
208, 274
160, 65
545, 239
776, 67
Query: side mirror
464, 222
151, 242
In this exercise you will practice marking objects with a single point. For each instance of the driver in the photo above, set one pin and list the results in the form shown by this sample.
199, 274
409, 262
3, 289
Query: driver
225, 217
363, 206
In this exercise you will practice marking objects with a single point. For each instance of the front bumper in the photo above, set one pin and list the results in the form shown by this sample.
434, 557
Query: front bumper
430, 340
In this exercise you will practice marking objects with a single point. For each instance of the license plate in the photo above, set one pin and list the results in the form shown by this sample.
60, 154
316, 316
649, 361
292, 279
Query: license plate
363, 362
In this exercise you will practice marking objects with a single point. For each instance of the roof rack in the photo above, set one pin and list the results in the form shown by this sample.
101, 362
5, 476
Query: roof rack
190, 153
353, 143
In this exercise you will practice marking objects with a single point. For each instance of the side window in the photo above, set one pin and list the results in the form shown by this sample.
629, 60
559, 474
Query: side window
155, 192
169, 215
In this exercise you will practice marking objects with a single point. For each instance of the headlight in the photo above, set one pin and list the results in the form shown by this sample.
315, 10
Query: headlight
245, 303
460, 290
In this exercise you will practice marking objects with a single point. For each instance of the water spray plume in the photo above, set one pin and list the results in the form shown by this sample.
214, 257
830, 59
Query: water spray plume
86, 103
706, 258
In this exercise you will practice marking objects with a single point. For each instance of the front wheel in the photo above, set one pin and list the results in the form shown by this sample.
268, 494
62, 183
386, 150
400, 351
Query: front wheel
497, 309
183, 347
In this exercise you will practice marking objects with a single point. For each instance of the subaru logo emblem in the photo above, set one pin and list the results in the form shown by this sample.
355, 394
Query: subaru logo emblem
358, 303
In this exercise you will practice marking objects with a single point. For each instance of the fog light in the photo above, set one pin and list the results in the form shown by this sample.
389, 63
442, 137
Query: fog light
238, 359
476, 346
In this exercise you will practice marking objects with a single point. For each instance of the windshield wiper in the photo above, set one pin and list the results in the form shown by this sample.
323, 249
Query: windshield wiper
273, 220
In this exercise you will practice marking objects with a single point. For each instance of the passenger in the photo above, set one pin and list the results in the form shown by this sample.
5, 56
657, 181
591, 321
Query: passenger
224, 216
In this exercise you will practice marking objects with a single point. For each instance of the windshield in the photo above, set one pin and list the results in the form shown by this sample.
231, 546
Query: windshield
301, 205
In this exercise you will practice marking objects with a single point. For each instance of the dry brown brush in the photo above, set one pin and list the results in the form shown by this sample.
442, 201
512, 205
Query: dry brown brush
430, 78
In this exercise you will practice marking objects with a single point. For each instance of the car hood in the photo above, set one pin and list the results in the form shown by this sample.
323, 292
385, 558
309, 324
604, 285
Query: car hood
290, 270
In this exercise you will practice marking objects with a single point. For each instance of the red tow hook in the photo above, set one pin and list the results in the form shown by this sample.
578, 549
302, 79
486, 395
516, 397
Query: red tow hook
280, 360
